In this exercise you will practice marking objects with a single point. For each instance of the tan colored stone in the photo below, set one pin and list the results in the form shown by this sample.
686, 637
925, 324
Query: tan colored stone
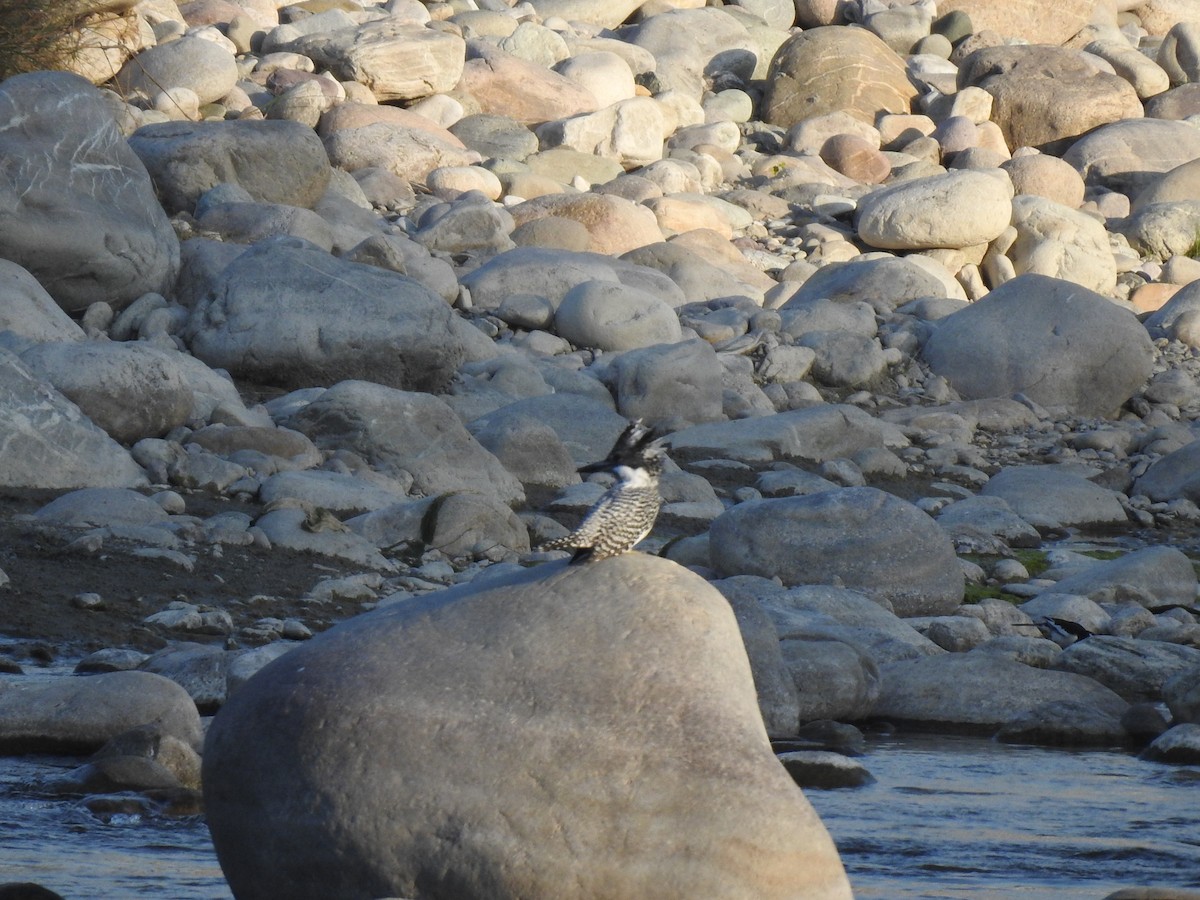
1032, 20
813, 13
629, 132
829, 69
399, 144
1181, 183
1046, 96
1160, 16
358, 115
605, 13
615, 224
1147, 77
605, 75
714, 247
1127, 156
528, 185
855, 158
810, 135
571, 167
679, 214
507, 86
397, 60
1046, 176
450, 181
783, 169
1150, 297
896, 130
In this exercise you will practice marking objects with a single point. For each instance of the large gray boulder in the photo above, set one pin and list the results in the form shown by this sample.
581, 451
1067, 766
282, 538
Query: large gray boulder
553, 273
832, 69
778, 700
1154, 576
414, 437
1172, 476
49, 443
276, 161
80, 211
81, 714
568, 732
1133, 668
980, 690
26, 309
295, 316
814, 434
669, 386
824, 612
586, 427
131, 390
1060, 344
872, 541
884, 283
1053, 497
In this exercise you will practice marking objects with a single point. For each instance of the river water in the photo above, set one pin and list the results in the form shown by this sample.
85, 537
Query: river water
948, 817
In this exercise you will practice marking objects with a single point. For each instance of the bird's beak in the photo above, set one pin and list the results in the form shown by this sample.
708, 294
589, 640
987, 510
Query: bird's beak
594, 467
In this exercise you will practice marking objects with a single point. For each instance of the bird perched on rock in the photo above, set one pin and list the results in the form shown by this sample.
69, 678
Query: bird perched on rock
626, 512
1063, 632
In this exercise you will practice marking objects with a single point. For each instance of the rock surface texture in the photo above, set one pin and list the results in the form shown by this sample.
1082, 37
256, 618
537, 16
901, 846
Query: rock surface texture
625, 756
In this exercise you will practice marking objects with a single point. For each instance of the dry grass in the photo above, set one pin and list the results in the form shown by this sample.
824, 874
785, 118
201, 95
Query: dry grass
37, 35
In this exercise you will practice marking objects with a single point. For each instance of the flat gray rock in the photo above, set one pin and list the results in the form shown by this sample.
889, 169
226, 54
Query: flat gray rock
1175, 475
1153, 576
79, 714
560, 658
981, 690
871, 541
1064, 723
457, 524
131, 390
814, 434
406, 435
834, 679
850, 616
1180, 745
1060, 344
49, 443
26, 309
586, 427
294, 316
552, 273
81, 214
1049, 497
884, 283
275, 161
94, 507
669, 386
293, 528
972, 516
1135, 669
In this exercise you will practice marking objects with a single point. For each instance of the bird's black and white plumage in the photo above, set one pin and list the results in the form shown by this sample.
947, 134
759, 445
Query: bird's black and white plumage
1063, 632
626, 512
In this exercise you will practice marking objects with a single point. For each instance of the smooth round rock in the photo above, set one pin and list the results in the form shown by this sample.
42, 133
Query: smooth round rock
1059, 343
613, 316
872, 541
958, 209
713, 812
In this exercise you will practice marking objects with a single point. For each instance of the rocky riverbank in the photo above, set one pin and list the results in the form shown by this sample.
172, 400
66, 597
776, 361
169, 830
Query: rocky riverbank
314, 310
